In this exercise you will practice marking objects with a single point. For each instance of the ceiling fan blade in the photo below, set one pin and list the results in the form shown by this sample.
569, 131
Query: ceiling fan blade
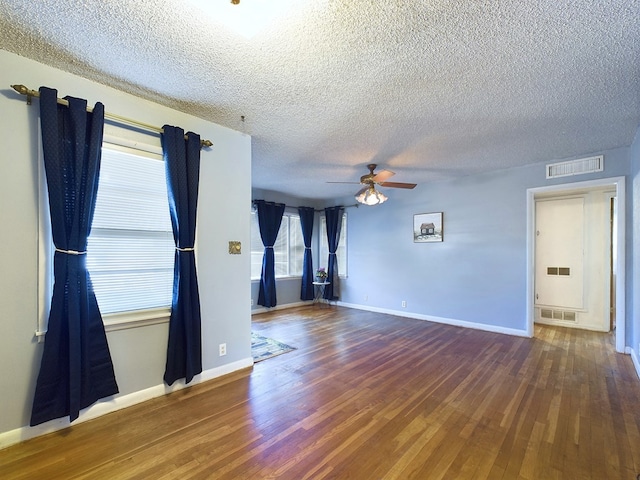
350, 183
362, 190
382, 176
398, 185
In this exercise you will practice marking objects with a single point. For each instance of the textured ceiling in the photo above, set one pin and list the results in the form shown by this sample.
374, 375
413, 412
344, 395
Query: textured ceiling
429, 89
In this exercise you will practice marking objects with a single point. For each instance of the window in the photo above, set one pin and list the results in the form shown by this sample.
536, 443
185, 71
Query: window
130, 251
341, 253
288, 249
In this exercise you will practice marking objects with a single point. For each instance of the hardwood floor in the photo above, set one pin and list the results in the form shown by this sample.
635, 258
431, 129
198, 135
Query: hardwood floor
372, 396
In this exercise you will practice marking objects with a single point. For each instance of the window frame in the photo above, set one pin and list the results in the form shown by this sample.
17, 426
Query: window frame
287, 216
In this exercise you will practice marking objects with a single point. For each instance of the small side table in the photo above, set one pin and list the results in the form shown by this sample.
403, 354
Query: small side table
319, 287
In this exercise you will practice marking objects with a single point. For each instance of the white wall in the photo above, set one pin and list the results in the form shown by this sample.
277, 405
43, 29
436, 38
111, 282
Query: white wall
139, 353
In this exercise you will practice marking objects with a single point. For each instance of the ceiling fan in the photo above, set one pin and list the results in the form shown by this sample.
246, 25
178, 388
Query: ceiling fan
368, 195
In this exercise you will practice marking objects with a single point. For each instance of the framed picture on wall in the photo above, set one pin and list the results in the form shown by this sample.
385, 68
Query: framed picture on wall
427, 227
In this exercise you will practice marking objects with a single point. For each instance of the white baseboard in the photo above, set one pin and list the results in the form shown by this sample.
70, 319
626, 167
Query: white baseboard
281, 307
635, 358
113, 404
447, 321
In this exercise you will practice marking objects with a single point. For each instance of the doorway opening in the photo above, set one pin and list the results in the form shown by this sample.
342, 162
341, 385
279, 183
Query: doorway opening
614, 297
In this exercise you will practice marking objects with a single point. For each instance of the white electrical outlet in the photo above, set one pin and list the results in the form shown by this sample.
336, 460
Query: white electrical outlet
222, 349
404, 304
252, 302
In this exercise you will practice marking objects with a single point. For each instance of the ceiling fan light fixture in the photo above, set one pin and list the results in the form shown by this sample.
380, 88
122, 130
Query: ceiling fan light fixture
371, 196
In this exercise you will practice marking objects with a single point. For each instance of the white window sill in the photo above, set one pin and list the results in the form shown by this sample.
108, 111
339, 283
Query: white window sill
256, 280
292, 277
135, 319
126, 320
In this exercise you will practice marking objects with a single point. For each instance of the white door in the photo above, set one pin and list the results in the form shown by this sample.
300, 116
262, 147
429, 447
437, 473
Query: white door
559, 270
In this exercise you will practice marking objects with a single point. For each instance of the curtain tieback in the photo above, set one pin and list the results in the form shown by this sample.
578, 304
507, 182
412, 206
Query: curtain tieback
307, 248
270, 246
186, 249
70, 252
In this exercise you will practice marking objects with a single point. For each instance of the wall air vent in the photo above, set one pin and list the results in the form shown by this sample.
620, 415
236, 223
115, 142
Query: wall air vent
551, 314
576, 167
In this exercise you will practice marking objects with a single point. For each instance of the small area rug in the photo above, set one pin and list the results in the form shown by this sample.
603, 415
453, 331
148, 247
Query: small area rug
263, 347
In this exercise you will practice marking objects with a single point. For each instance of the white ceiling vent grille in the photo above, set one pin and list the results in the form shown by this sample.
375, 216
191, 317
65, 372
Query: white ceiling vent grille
576, 167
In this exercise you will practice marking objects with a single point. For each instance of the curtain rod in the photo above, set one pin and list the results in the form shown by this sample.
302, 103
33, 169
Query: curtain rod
22, 90
356, 205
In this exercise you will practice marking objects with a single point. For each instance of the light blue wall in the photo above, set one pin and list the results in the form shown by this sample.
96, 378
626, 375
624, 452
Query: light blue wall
478, 274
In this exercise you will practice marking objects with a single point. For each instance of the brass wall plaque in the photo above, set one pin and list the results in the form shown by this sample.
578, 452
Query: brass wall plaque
235, 248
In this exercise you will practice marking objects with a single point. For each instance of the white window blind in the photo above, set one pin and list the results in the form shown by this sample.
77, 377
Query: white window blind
130, 251
341, 252
296, 246
280, 250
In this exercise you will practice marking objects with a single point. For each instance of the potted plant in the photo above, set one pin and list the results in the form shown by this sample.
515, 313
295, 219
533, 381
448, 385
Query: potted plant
321, 275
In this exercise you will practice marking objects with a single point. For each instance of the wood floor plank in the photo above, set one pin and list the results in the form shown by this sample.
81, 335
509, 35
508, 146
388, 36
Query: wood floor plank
373, 396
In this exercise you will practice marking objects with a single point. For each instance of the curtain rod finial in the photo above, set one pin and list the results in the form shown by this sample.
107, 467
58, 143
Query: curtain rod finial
22, 90
206, 143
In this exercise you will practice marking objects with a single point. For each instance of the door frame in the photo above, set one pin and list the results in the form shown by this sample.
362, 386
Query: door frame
619, 225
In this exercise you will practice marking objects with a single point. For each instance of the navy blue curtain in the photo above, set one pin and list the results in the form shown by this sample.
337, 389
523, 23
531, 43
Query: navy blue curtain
306, 224
182, 165
76, 368
269, 220
333, 217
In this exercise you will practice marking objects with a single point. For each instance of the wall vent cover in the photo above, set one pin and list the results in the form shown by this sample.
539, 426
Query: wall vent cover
552, 314
576, 167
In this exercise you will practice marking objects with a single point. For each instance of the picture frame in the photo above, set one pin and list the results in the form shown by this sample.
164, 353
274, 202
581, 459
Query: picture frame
428, 227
